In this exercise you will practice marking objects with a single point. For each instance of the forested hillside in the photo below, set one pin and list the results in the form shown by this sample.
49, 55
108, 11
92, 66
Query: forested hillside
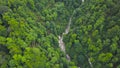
29, 31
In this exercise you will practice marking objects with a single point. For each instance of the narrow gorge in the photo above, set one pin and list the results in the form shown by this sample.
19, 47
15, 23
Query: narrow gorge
61, 43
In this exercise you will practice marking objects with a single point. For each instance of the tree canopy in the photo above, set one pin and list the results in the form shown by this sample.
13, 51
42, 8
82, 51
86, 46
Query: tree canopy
29, 32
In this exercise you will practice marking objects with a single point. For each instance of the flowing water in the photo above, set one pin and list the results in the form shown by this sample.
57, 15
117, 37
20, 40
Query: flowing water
61, 43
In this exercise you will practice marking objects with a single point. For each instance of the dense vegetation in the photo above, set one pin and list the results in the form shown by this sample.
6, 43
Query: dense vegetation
94, 38
29, 32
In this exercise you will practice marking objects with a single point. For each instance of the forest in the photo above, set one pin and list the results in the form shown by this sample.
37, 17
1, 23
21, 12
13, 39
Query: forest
31, 32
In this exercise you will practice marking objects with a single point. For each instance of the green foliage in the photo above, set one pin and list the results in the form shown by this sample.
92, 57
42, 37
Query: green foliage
29, 32
3, 9
96, 31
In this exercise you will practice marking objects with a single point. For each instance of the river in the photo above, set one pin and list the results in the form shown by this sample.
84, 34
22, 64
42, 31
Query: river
61, 43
